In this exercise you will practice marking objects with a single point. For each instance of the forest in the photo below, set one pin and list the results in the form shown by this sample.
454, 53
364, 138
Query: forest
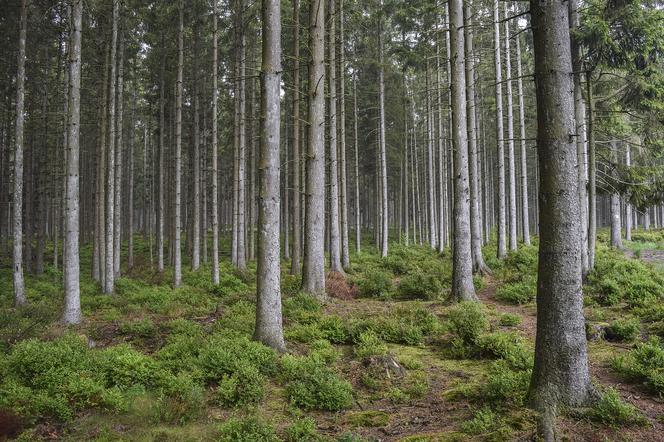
332, 220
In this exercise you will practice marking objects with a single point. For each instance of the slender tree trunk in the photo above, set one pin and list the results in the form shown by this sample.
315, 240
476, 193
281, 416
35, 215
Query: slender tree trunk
383, 154
510, 135
616, 239
160, 170
592, 188
443, 207
72, 311
177, 258
628, 206
502, 244
560, 375
313, 278
196, 209
479, 266
580, 116
462, 261
335, 240
525, 221
109, 280
117, 212
269, 329
215, 153
341, 139
19, 284
358, 231
431, 180
297, 227
130, 202
99, 262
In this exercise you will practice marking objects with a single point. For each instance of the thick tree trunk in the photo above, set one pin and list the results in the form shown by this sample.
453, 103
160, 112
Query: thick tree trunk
313, 277
17, 225
462, 261
335, 237
109, 278
72, 311
177, 252
296, 221
525, 221
215, 153
502, 229
560, 375
269, 329
479, 266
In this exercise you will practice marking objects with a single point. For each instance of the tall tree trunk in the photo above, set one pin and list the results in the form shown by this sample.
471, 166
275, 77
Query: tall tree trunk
313, 277
510, 134
109, 279
616, 239
196, 209
525, 221
443, 207
628, 206
19, 283
297, 227
117, 213
580, 116
215, 153
462, 261
383, 153
160, 167
431, 180
177, 257
479, 266
592, 187
560, 375
358, 231
130, 196
72, 311
99, 262
335, 240
341, 139
502, 244
269, 329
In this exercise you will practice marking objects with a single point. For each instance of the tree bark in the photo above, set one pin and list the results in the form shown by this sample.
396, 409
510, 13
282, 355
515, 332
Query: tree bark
19, 283
196, 209
72, 311
117, 213
628, 206
130, 185
358, 231
177, 257
269, 329
560, 375
479, 266
313, 277
383, 154
502, 244
109, 279
431, 180
525, 221
592, 168
215, 153
510, 135
160, 166
297, 227
616, 234
462, 262
341, 139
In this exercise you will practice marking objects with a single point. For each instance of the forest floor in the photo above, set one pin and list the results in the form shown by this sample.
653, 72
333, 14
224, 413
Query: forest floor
384, 358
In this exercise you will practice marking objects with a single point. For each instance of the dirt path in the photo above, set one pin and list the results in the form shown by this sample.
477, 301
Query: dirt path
651, 406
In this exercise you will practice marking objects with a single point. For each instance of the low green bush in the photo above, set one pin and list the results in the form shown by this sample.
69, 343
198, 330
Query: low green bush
644, 363
225, 354
229, 284
143, 328
484, 421
504, 385
369, 344
468, 322
611, 410
303, 430
181, 400
420, 285
246, 429
246, 385
507, 346
624, 330
311, 384
375, 283
517, 293
407, 325
509, 320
